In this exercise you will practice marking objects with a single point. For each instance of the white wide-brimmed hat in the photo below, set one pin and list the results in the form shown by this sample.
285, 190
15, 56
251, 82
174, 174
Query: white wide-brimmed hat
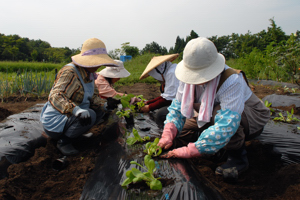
115, 72
156, 61
201, 62
93, 54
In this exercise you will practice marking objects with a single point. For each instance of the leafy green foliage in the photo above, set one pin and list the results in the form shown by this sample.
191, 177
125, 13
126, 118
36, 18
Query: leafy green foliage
268, 105
141, 103
134, 175
125, 99
136, 138
289, 118
154, 48
127, 108
152, 149
37, 83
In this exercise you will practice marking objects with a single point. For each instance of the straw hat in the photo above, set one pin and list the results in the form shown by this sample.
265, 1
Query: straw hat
201, 62
93, 54
156, 61
115, 72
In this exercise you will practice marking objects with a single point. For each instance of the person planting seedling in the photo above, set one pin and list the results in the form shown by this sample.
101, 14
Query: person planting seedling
162, 69
214, 109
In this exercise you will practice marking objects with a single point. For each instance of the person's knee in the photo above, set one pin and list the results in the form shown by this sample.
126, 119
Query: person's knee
93, 116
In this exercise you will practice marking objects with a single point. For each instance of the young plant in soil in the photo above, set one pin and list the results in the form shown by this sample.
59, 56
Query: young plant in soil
141, 103
288, 119
128, 109
268, 105
136, 138
134, 175
152, 149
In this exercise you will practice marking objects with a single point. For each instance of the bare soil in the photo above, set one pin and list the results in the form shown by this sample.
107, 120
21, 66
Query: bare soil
266, 178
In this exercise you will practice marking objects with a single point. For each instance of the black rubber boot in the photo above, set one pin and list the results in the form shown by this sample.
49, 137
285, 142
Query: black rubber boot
237, 161
65, 146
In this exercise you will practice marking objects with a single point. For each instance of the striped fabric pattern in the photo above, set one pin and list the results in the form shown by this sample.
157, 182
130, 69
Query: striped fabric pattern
67, 91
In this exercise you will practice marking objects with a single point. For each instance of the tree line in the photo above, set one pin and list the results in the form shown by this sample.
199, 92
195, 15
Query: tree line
15, 48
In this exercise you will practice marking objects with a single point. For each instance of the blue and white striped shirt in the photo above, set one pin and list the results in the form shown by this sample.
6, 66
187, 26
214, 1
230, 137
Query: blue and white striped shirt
231, 96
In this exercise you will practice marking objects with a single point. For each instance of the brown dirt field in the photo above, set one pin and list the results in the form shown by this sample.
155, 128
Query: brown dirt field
267, 177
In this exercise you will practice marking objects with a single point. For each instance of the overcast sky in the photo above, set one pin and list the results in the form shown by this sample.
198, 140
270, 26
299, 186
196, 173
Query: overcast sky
68, 23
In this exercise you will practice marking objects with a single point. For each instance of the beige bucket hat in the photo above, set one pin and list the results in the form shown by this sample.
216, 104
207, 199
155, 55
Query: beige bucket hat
201, 62
115, 72
156, 61
93, 54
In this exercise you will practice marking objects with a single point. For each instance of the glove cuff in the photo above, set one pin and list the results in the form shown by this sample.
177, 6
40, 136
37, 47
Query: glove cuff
170, 131
75, 109
193, 150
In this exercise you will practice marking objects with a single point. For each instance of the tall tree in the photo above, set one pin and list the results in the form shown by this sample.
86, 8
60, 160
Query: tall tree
192, 35
154, 48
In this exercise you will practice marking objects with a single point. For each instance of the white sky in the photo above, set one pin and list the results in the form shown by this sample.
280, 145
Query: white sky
68, 23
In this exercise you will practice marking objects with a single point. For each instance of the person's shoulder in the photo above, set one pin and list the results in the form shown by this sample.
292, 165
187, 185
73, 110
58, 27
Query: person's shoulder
67, 69
99, 76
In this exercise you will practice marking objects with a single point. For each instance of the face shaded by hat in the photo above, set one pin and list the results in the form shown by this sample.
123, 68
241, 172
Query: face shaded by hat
115, 72
93, 54
157, 61
201, 62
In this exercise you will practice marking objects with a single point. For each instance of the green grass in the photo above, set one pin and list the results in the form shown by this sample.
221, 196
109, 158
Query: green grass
9, 66
37, 78
136, 67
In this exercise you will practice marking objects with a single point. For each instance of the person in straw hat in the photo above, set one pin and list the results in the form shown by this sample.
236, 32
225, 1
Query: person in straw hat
214, 109
162, 69
107, 77
74, 105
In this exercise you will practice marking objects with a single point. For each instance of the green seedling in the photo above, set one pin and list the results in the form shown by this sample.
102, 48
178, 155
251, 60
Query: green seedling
124, 113
141, 103
134, 175
152, 149
127, 108
286, 89
289, 119
136, 138
125, 99
268, 105
280, 118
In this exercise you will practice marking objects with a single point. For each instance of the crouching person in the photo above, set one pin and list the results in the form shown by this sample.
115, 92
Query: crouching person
214, 108
74, 105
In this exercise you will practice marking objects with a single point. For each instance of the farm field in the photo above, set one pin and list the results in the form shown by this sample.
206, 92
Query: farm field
267, 177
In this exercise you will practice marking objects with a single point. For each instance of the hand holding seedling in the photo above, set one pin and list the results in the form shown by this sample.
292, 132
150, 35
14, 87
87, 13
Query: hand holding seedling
145, 109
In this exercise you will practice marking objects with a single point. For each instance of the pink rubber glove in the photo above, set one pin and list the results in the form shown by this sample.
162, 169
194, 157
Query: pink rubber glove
169, 133
189, 151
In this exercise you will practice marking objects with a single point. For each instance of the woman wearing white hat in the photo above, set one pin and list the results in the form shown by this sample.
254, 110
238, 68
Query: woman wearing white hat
214, 108
74, 105
107, 77
162, 69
